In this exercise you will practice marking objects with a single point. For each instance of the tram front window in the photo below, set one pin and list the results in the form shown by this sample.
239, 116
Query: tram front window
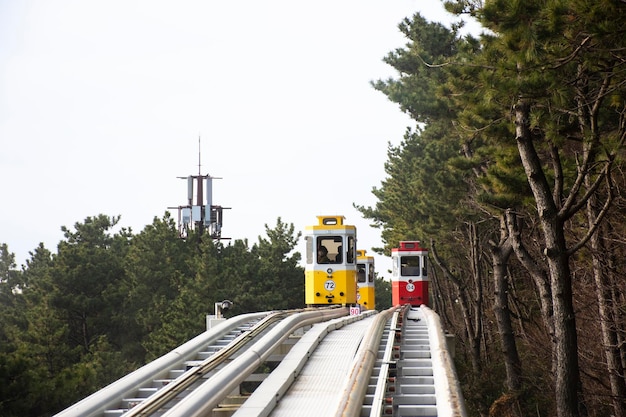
410, 266
360, 272
322, 255
339, 253
329, 250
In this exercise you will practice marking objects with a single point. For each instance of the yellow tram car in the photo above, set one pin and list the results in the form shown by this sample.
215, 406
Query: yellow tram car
330, 270
365, 280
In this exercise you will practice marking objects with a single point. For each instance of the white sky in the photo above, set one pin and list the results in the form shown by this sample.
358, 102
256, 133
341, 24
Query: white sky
102, 103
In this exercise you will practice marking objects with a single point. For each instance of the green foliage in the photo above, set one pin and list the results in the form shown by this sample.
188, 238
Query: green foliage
454, 167
108, 302
86, 274
279, 274
272, 279
382, 294
9, 276
563, 59
157, 266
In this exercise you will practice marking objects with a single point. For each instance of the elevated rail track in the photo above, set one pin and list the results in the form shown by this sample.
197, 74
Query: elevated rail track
310, 362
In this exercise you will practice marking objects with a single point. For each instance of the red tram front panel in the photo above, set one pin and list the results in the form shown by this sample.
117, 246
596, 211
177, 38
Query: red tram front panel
409, 279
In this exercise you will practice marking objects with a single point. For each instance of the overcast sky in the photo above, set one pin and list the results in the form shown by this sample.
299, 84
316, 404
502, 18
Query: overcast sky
102, 103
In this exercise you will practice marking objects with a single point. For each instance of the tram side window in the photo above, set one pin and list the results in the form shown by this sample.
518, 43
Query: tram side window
360, 272
351, 249
410, 266
309, 249
370, 277
424, 269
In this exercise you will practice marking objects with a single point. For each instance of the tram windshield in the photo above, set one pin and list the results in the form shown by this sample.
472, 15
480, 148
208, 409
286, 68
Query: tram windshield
329, 250
365, 274
360, 272
410, 265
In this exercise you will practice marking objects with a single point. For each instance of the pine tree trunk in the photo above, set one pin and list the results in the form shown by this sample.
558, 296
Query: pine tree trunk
499, 258
567, 374
607, 323
467, 310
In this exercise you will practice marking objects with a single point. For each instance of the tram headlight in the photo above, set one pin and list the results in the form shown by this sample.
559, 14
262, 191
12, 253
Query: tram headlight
329, 271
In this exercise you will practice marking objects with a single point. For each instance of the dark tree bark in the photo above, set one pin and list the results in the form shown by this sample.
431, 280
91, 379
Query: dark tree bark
500, 254
538, 275
470, 318
568, 394
608, 324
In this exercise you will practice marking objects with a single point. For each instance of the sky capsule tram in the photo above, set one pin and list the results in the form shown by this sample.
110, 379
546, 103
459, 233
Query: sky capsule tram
330, 271
409, 279
365, 280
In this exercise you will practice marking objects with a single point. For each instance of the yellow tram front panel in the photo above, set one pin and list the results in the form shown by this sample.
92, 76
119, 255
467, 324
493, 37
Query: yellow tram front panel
366, 294
330, 271
337, 288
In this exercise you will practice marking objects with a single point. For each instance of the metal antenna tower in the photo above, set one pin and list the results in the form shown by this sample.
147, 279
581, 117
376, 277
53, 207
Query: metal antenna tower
200, 215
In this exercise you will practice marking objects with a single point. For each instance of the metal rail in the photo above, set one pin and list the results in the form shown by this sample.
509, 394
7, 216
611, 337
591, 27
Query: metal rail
111, 395
206, 397
380, 396
358, 379
450, 401
398, 365
163, 396
265, 398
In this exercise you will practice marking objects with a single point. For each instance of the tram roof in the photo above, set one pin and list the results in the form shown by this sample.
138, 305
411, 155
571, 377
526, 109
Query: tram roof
331, 222
361, 256
409, 246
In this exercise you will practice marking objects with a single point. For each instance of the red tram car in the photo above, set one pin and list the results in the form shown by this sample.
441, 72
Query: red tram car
409, 279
